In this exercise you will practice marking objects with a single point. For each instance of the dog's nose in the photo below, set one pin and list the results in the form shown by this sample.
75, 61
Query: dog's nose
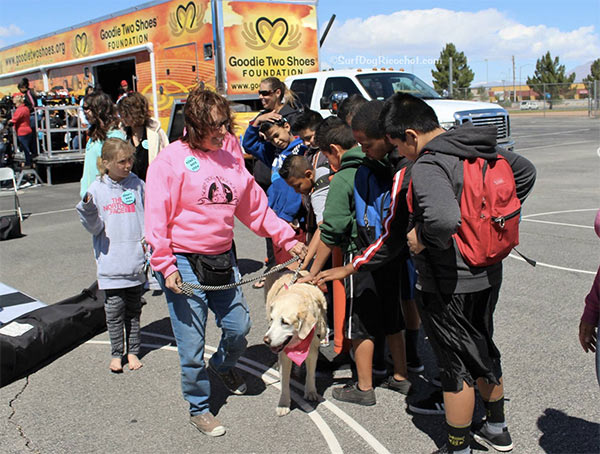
267, 340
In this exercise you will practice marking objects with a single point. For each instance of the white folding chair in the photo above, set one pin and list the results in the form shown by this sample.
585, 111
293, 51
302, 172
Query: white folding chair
7, 174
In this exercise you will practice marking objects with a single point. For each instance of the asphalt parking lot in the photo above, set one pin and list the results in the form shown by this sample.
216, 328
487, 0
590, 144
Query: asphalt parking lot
74, 405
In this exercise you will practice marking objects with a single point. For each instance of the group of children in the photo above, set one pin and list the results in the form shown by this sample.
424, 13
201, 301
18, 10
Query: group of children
372, 150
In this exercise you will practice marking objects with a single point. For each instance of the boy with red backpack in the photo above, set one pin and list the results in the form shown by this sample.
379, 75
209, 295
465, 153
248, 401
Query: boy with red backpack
458, 277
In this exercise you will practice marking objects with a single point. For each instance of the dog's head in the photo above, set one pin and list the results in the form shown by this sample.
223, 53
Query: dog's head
293, 311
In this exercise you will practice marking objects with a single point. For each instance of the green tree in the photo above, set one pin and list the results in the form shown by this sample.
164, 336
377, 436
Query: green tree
548, 74
462, 76
592, 76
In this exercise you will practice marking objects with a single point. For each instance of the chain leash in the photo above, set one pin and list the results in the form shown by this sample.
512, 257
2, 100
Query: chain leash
188, 287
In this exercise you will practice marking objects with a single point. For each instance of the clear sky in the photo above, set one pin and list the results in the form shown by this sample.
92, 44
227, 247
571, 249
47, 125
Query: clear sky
393, 33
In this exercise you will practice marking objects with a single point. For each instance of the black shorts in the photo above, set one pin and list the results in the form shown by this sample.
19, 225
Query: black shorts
460, 329
373, 307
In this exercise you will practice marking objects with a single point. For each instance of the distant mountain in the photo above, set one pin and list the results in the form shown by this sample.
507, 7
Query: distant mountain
581, 71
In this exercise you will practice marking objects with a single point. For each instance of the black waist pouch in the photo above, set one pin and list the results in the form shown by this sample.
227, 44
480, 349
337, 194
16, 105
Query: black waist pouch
212, 269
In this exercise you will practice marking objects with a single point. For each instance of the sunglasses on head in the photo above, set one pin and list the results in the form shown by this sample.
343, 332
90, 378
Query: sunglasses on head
265, 92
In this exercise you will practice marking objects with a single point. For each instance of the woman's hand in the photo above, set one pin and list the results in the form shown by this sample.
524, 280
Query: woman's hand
298, 250
173, 282
587, 336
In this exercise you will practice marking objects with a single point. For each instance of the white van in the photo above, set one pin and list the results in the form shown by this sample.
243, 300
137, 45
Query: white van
529, 105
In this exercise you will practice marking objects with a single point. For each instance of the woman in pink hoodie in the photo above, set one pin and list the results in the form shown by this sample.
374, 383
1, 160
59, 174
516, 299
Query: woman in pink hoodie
194, 189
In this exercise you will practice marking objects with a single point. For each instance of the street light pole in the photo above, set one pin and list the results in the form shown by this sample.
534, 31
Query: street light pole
520, 68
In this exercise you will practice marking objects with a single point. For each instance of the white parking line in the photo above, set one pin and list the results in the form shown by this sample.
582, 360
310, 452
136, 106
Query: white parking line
547, 265
527, 216
559, 223
562, 268
52, 212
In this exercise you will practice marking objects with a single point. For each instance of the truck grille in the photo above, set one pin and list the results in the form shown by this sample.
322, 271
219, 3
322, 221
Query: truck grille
498, 118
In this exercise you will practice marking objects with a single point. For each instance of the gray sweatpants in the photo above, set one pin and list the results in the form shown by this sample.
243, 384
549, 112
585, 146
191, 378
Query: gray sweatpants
123, 307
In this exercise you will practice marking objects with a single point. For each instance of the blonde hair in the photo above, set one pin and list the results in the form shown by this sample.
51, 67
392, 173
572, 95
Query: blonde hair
19, 99
111, 149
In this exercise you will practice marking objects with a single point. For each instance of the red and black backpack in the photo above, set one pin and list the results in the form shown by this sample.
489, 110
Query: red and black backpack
489, 211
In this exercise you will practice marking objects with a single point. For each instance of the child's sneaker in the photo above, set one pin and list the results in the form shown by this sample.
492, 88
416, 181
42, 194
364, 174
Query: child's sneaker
499, 441
351, 393
446, 450
433, 405
207, 424
402, 386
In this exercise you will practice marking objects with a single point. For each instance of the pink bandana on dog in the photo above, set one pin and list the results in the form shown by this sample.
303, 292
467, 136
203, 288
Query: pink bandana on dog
299, 352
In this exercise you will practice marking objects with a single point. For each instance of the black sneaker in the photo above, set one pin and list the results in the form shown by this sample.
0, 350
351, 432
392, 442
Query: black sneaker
500, 442
433, 405
445, 450
402, 386
232, 380
351, 393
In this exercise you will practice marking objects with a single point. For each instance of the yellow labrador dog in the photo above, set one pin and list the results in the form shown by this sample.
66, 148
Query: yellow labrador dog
293, 311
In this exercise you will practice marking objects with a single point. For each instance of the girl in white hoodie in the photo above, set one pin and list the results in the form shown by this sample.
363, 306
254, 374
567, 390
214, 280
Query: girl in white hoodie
112, 210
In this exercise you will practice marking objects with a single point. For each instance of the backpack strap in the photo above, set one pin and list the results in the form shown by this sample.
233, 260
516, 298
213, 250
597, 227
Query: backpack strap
322, 182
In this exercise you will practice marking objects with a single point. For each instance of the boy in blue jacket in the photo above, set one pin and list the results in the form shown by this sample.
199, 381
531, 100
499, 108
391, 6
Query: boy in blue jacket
280, 144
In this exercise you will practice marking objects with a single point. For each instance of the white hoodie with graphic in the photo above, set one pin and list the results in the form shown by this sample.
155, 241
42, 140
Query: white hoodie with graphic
115, 217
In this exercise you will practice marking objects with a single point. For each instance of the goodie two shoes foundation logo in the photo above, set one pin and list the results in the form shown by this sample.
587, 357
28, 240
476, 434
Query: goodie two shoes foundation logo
188, 18
274, 33
82, 45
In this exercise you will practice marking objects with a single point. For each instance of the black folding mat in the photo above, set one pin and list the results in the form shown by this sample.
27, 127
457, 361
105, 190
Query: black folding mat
55, 330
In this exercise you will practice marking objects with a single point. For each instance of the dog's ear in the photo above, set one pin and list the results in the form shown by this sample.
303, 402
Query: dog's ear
307, 322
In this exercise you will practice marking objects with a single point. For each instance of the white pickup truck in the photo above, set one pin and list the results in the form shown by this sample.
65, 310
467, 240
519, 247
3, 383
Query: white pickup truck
319, 88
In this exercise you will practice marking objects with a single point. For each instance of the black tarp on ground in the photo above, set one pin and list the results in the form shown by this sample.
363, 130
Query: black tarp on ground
57, 329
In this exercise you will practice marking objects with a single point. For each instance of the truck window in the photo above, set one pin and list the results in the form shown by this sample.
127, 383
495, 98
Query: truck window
384, 85
340, 84
304, 90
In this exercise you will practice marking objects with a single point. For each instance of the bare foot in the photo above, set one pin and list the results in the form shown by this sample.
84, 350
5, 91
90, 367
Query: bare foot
134, 362
116, 366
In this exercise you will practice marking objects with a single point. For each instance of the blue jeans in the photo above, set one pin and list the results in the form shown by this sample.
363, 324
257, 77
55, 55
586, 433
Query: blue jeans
188, 320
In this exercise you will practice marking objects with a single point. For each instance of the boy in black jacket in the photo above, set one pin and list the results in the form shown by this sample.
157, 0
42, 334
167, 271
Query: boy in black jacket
456, 301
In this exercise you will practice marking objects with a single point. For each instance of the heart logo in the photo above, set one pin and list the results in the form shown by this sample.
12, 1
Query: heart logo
187, 18
185, 13
273, 33
271, 29
81, 44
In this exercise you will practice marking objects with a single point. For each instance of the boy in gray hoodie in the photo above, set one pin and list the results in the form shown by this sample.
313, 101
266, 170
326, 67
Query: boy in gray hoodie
112, 210
456, 300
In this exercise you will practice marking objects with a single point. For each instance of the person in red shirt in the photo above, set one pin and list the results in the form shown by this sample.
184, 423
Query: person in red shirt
25, 136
